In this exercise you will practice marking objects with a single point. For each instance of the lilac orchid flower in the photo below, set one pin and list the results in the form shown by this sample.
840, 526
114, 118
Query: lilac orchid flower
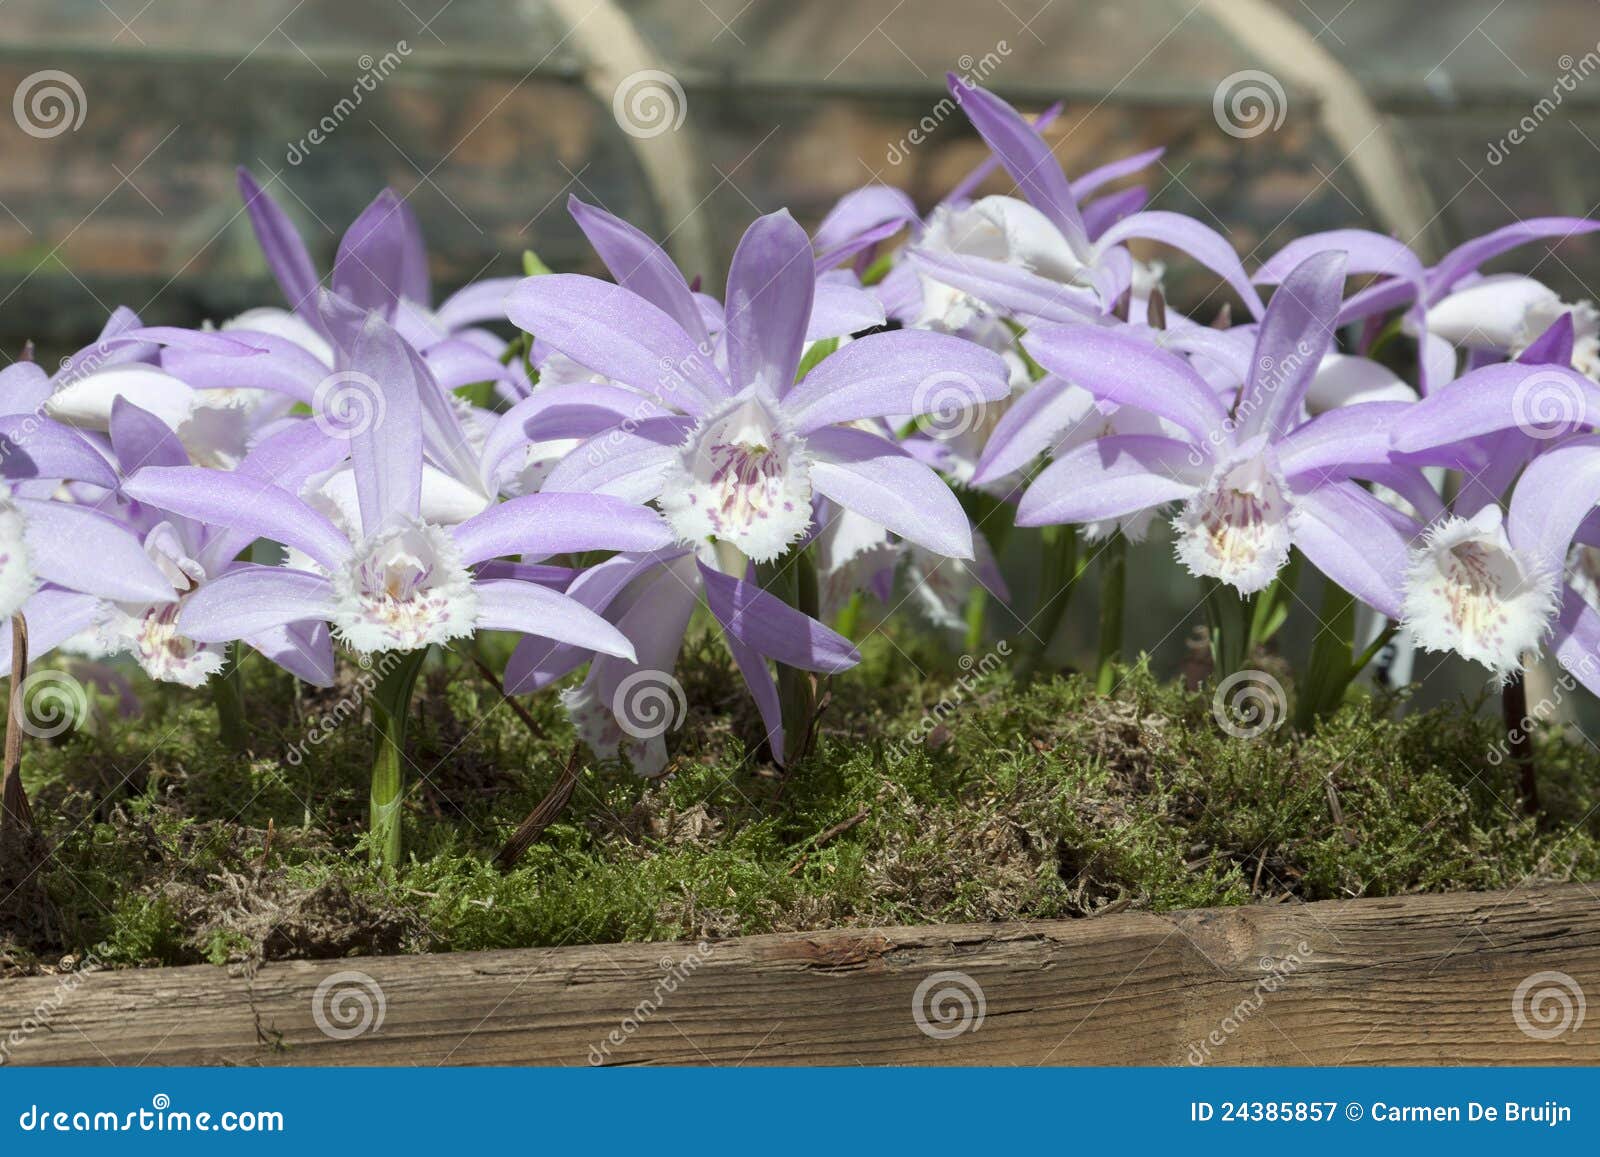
1037, 258
650, 598
394, 581
188, 554
1252, 482
381, 265
64, 545
1402, 281
736, 457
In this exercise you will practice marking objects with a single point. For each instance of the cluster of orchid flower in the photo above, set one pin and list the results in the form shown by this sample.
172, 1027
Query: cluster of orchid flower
368, 470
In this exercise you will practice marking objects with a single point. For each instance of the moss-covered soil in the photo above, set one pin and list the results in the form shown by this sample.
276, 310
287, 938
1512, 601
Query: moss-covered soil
948, 796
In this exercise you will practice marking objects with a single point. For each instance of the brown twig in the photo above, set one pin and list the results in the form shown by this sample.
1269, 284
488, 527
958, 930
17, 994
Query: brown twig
827, 834
542, 816
521, 712
14, 809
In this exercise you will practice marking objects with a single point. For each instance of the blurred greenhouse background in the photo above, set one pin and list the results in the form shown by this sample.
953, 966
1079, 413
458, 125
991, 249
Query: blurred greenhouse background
1429, 119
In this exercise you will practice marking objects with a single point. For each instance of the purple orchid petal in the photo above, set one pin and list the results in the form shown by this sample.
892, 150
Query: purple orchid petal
1494, 398
1365, 252
476, 303
140, 439
534, 610
841, 309
1294, 336
381, 397
962, 190
372, 266
536, 663
304, 649
1349, 536
1557, 491
540, 525
771, 284
1553, 346
415, 284
859, 220
34, 447
770, 627
1111, 477
618, 335
290, 456
875, 478
455, 363
1009, 288
285, 253
83, 550
1096, 179
1575, 640
627, 463
1099, 215
24, 389
903, 372
1031, 425
282, 366
249, 601
1120, 368
236, 501
553, 413
1200, 242
1340, 442
640, 265
1468, 256
53, 617
1023, 152
763, 689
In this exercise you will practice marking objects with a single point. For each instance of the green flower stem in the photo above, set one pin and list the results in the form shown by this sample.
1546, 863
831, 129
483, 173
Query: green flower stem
1229, 616
391, 703
1113, 595
793, 579
848, 621
227, 692
1058, 572
1333, 665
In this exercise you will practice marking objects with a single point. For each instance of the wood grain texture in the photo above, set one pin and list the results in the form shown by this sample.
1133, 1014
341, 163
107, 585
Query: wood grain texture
1417, 980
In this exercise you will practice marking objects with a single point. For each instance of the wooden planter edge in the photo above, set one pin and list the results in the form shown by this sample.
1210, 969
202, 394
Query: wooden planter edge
1468, 978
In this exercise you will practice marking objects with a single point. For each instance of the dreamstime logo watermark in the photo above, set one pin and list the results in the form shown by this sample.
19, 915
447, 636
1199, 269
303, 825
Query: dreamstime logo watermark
1248, 103
348, 403
948, 1004
1548, 1005
323, 725
649, 703
648, 103
974, 671
674, 973
48, 103
971, 73
1276, 973
45, 1011
1248, 704
373, 73
53, 703
1548, 404
1573, 72
948, 404
348, 1004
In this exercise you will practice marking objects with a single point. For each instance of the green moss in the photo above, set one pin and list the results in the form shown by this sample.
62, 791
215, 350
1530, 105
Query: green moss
948, 796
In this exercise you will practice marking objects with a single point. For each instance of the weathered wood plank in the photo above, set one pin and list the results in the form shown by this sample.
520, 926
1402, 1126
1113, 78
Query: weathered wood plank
1419, 980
